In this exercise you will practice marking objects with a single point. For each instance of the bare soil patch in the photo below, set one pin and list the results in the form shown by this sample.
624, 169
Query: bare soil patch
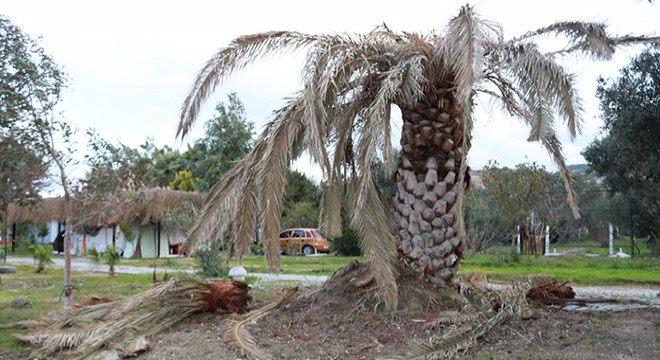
347, 325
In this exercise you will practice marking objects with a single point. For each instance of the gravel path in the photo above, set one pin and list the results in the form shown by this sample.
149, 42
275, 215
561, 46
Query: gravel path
83, 264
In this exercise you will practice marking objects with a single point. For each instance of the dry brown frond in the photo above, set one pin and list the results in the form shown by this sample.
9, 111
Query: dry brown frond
220, 203
460, 332
590, 37
238, 335
543, 83
553, 146
118, 327
280, 142
240, 52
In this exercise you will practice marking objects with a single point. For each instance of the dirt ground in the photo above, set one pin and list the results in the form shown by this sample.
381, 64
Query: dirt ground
347, 326
301, 331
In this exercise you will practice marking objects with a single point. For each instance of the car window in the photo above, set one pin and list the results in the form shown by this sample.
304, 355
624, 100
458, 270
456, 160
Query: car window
307, 234
284, 234
318, 234
299, 233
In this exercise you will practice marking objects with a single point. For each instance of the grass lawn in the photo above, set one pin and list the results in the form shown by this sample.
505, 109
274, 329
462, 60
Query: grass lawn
580, 270
299, 265
41, 294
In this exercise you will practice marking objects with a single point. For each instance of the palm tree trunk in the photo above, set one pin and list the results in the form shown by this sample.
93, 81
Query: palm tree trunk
427, 207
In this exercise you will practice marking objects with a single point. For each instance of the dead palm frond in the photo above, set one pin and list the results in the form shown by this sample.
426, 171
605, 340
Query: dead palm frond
238, 335
121, 327
484, 310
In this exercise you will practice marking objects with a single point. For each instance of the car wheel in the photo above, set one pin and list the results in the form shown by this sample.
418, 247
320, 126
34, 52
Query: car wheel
308, 250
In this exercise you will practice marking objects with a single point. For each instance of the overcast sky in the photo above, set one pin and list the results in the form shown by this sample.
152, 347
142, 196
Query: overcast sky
131, 63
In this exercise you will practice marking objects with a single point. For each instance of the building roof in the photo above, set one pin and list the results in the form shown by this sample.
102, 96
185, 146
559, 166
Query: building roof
144, 207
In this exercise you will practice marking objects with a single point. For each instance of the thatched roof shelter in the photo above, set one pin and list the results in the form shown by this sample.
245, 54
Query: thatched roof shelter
143, 207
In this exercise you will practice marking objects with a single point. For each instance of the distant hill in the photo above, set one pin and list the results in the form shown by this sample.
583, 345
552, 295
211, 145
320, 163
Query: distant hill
578, 168
476, 176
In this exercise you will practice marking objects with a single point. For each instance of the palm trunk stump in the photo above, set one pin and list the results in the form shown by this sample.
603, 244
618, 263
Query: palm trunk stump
428, 185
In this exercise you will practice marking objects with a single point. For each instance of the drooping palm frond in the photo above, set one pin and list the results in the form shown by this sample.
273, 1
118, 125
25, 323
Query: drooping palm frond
553, 146
282, 143
240, 52
220, 203
543, 83
589, 37
369, 215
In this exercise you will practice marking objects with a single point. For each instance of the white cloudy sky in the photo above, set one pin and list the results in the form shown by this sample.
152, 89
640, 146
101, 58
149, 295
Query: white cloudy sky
132, 62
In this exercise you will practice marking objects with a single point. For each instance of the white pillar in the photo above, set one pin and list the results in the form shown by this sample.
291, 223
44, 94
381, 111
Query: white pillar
547, 240
518, 238
611, 239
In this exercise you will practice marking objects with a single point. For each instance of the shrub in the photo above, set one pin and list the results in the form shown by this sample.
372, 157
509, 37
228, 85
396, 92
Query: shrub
42, 255
110, 257
210, 262
348, 244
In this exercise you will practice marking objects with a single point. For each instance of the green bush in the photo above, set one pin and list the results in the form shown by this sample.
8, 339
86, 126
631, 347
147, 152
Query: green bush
110, 257
42, 255
348, 244
210, 262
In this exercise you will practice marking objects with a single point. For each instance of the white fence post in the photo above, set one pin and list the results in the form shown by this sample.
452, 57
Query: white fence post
547, 240
611, 228
518, 237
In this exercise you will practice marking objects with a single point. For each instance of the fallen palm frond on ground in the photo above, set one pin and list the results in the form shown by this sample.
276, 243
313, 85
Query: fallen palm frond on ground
547, 290
119, 329
238, 335
484, 309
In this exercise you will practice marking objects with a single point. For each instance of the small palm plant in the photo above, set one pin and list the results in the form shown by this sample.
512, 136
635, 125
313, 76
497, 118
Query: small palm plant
110, 257
42, 255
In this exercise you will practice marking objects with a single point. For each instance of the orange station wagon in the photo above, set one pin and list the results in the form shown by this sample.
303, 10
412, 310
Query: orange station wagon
307, 241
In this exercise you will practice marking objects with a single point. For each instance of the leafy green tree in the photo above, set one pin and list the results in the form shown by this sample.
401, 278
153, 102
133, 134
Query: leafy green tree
22, 175
628, 155
30, 88
227, 139
301, 214
114, 168
165, 164
517, 192
184, 181
301, 202
341, 117
29, 81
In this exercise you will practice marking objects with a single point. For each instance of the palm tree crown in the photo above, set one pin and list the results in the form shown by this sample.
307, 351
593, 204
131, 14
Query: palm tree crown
341, 118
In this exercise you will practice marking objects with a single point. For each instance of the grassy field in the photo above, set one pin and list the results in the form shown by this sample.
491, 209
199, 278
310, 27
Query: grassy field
27, 295
578, 269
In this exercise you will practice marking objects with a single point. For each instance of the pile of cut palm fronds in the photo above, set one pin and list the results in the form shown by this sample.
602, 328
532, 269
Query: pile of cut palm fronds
546, 290
119, 329
483, 309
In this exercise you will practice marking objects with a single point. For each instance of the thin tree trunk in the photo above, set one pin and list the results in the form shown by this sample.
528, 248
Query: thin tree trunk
68, 215
5, 230
427, 206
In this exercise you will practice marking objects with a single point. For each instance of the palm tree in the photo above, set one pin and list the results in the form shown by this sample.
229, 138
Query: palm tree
341, 118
